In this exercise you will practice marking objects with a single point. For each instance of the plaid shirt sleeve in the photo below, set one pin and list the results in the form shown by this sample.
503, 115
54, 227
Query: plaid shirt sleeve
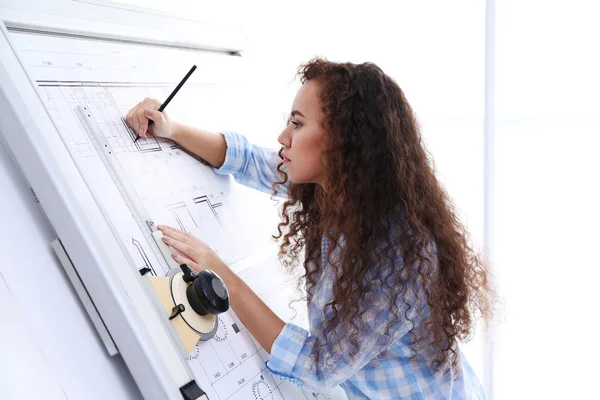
292, 356
251, 165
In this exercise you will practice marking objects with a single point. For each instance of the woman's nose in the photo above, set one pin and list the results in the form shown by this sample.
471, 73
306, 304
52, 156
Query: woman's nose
284, 138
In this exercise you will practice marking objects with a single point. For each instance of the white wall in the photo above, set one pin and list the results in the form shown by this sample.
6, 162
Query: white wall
48, 347
547, 198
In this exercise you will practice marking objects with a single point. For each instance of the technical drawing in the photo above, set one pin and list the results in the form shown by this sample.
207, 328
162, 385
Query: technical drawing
176, 189
261, 389
320, 396
221, 334
182, 216
144, 257
204, 200
149, 145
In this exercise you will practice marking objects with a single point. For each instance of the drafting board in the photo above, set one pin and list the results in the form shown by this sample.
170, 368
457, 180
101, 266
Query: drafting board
176, 189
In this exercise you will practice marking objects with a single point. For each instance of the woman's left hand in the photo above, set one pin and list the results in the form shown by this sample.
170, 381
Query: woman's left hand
196, 254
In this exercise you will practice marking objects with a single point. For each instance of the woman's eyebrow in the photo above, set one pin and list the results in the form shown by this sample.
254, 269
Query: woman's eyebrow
296, 112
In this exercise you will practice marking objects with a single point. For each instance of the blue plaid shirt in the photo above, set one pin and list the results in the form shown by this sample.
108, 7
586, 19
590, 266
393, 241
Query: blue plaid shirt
393, 374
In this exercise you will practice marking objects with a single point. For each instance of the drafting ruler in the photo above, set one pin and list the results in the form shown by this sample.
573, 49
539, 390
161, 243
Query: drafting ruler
147, 226
190, 391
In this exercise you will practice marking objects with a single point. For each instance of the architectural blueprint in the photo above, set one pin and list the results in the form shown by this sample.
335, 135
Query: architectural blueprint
175, 188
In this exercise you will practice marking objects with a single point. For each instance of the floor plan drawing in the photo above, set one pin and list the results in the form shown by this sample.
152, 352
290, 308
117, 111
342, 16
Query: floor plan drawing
175, 188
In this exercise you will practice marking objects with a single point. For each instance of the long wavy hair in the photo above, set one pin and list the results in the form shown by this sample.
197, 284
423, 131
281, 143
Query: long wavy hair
379, 180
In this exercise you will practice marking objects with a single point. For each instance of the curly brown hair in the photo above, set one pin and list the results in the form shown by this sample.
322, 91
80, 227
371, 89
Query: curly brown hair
379, 180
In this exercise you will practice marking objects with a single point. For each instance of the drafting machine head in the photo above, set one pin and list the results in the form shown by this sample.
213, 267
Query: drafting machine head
193, 302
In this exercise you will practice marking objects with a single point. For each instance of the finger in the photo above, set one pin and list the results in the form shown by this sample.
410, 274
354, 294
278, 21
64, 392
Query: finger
181, 259
184, 248
155, 116
176, 234
128, 116
131, 120
136, 118
143, 123
167, 228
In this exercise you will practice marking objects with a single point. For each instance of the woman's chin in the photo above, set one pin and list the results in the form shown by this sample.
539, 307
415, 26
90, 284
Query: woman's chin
298, 179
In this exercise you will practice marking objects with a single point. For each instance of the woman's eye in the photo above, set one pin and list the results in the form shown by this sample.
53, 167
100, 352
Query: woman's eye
296, 124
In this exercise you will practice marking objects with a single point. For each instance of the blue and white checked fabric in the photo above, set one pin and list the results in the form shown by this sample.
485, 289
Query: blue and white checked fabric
251, 165
383, 368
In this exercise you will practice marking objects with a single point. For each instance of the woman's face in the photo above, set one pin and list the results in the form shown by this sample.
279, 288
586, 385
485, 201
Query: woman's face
303, 137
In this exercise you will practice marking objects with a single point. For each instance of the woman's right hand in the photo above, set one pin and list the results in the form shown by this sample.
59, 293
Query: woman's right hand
139, 116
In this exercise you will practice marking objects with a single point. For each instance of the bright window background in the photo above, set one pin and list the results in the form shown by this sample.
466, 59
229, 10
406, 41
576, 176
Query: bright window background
547, 198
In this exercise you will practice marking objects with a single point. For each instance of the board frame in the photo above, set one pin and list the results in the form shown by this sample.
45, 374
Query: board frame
144, 338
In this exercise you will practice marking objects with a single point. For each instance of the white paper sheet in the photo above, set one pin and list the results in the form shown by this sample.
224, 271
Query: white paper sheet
175, 188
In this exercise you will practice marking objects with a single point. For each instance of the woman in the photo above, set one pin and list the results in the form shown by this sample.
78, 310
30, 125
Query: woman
392, 282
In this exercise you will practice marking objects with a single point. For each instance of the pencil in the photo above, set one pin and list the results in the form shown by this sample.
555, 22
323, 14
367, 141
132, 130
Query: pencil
173, 93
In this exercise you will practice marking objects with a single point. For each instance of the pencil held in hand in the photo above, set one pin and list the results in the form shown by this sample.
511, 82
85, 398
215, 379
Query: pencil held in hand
137, 109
